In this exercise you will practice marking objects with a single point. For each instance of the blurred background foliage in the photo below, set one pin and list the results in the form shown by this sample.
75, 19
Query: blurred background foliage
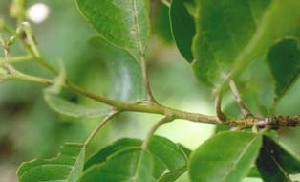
30, 129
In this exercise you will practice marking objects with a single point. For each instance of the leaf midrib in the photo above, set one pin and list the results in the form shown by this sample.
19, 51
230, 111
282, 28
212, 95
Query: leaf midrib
236, 162
137, 27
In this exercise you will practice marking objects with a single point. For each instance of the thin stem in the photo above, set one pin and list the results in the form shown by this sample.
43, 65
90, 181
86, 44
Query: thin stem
15, 59
24, 77
218, 106
163, 121
274, 122
239, 99
99, 126
146, 82
141, 57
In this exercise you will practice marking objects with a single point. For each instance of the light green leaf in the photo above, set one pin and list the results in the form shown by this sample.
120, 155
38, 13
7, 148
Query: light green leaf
71, 109
276, 163
183, 26
284, 63
227, 157
230, 34
66, 167
124, 23
122, 68
67, 108
165, 159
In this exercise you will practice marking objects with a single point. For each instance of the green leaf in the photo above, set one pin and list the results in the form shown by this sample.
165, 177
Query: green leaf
230, 34
166, 159
74, 110
254, 173
66, 167
172, 175
123, 23
67, 108
103, 154
130, 164
227, 156
276, 163
284, 63
160, 146
183, 26
123, 68
163, 27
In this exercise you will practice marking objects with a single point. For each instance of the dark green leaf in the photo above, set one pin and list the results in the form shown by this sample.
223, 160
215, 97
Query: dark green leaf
186, 150
104, 153
170, 153
227, 156
172, 175
121, 22
67, 166
284, 62
163, 25
183, 26
166, 159
254, 173
131, 164
230, 34
275, 163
